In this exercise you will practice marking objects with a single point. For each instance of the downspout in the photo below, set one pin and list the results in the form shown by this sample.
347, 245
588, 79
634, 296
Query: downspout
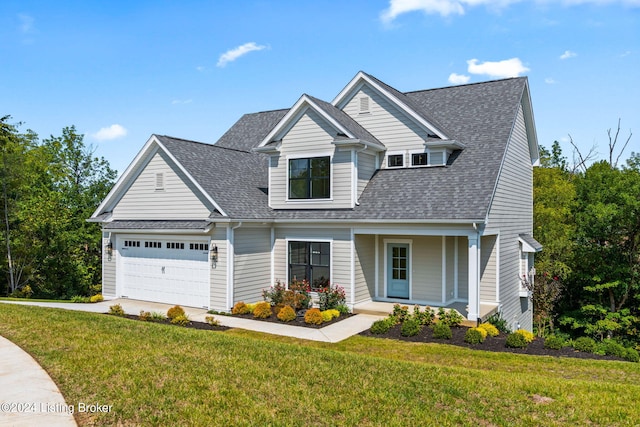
477, 287
230, 263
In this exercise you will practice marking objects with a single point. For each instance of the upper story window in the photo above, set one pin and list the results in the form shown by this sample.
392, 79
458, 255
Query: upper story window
395, 160
419, 159
310, 178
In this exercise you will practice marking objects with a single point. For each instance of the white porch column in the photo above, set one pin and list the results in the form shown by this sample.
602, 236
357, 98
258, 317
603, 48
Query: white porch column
474, 278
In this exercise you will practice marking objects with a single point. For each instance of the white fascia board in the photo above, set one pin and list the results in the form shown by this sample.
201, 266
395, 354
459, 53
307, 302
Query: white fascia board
360, 143
133, 168
188, 175
135, 231
445, 143
293, 115
530, 123
360, 77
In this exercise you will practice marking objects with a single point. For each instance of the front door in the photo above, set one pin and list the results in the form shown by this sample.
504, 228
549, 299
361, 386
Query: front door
398, 270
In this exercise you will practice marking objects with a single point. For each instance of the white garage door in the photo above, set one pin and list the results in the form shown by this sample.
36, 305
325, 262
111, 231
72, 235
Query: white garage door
164, 269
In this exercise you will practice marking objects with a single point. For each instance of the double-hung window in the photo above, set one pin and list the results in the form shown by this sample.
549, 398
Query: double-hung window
310, 178
310, 261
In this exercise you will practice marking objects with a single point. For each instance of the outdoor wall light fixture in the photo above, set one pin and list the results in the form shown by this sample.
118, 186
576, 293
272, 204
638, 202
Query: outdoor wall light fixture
109, 248
214, 255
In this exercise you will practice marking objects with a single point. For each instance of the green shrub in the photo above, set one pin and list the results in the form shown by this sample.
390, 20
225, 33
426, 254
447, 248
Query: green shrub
23, 292
425, 317
326, 316
116, 310
491, 330
144, 316
240, 308
297, 296
554, 342
501, 324
410, 327
96, 298
442, 331
585, 344
382, 326
174, 312
262, 310
400, 312
631, 354
474, 335
252, 306
275, 293
528, 336
516, 340
313, 316
343, 309
156, 316
286, 314
181, 320
212, 321
331, 297
334, 313
450, 317
79, 299
613, 348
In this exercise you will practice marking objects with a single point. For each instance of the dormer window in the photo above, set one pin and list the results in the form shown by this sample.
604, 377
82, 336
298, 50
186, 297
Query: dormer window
419, 159
310, 178
395, 160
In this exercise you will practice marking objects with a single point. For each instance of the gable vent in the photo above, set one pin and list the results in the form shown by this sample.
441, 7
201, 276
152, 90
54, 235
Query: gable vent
160, 181
364, 104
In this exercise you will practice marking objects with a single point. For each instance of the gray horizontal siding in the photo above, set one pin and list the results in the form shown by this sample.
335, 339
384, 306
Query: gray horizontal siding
310, 136
252, 265
488, 266
366, 168
386, 122
109, 267
511, 213
365, 258
178, 199
218, 295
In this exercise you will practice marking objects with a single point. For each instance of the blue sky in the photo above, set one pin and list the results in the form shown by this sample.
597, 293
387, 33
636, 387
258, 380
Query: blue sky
122, 70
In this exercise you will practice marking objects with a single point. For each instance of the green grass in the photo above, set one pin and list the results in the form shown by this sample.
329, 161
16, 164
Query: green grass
33, 299
155, 374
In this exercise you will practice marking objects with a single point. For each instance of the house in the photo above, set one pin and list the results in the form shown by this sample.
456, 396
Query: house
418, 197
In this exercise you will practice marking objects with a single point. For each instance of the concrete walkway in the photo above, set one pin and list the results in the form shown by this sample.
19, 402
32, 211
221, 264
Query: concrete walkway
28, 396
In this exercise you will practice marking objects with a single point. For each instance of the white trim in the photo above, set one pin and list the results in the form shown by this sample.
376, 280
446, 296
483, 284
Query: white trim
295, 113
353, 268
473, 277
395, 153
417, 231
377, 266
444, 268
497, 248
354, 177
302, 238
273, 255
309, 155
229, 299
455, 267
409, 242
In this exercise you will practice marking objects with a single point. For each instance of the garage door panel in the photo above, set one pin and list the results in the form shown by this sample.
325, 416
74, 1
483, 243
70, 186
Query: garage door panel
163, 274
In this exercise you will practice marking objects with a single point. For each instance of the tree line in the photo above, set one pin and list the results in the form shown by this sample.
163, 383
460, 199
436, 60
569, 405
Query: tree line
49, 188
587, 278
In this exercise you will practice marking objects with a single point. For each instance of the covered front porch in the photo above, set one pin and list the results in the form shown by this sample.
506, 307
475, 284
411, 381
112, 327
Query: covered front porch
437, 267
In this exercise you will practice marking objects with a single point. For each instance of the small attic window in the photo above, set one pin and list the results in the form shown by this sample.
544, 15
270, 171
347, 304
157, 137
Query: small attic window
364, 105
160, 181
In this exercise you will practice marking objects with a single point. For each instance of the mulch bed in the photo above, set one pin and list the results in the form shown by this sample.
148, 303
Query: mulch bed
298, 321
490, 344
192, 324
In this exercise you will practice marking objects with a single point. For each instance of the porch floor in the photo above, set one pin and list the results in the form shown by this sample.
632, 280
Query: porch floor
380, 308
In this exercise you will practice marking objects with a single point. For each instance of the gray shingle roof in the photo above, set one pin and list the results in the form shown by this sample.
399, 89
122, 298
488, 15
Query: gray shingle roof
480, 115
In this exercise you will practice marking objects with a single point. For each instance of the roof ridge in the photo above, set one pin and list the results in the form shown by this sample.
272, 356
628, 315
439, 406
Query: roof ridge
206, 144
466, 84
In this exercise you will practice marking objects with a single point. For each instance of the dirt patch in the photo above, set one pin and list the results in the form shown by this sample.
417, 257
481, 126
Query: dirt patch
490, 344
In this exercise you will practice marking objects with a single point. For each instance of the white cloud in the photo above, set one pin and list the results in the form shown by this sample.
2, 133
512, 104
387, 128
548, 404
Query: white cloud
111, 132
26, 23
550, 81
459, 7
201, 68
507, 68
568, 54
233, 54
458, 79
441, 7
181, 101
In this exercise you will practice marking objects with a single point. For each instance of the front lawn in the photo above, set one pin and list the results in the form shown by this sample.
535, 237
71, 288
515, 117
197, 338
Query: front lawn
154, 374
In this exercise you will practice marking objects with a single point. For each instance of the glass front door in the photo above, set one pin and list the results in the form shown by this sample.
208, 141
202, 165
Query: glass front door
398, 270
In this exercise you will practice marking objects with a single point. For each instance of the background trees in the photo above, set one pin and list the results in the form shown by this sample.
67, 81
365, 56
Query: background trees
588, 219
49, 188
